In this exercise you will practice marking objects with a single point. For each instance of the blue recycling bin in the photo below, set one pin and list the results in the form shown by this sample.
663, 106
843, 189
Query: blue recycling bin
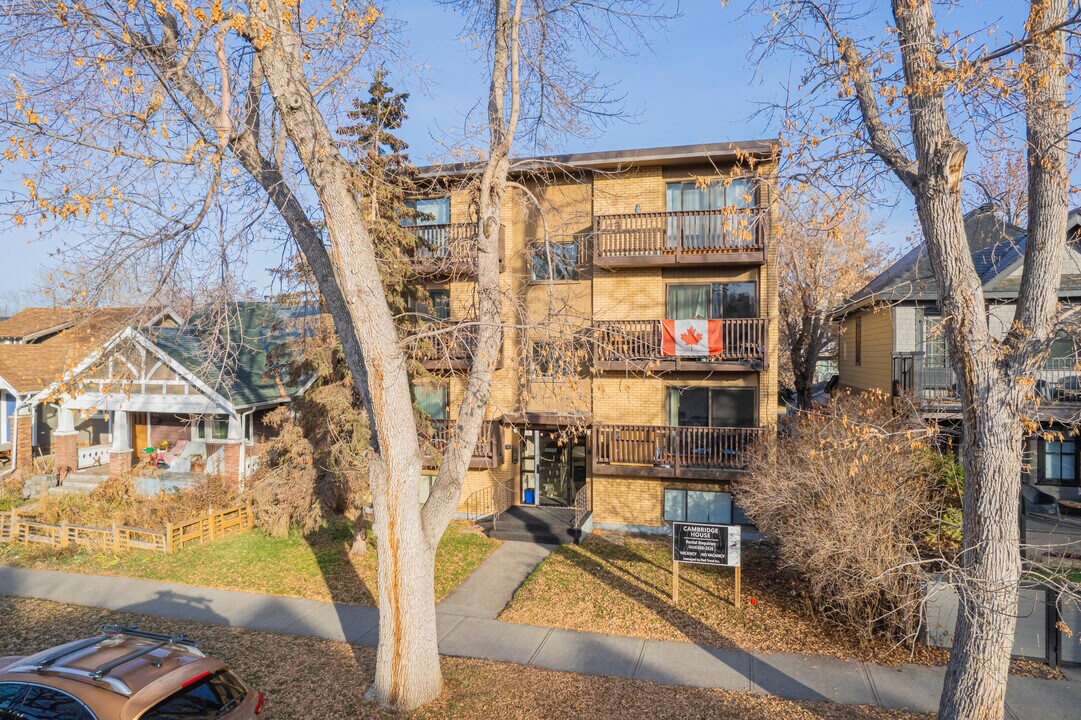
528, 495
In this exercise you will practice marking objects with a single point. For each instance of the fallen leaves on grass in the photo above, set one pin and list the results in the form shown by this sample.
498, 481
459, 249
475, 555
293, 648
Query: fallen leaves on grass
626, 589
309, 678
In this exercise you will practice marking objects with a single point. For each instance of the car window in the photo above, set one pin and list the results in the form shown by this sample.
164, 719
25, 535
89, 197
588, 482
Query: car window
10, 696
206, 699
42, 703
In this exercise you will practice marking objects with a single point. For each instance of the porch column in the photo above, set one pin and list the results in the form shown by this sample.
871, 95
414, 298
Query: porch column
231, 468
66, 443
120, 452
24, 440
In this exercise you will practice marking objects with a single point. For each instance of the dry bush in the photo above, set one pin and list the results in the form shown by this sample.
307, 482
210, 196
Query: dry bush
283, 491
11, 493
855, 500
115, 500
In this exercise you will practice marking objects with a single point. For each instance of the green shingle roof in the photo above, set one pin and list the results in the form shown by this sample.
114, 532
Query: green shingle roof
237, 352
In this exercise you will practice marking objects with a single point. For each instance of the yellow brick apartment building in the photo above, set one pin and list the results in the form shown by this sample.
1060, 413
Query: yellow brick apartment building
590, 422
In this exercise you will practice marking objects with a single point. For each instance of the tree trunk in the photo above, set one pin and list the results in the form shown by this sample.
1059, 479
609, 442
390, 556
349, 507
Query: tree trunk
359, 548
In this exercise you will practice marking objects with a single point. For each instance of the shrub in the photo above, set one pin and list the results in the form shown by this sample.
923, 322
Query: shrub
855, 500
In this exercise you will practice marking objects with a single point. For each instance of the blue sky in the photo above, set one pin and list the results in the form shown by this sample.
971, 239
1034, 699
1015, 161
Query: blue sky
693, 85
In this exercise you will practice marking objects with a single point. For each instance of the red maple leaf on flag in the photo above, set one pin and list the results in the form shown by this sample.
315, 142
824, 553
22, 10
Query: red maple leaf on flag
691, 337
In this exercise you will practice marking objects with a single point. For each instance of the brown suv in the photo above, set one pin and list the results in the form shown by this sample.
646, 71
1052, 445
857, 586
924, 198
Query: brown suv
124, 674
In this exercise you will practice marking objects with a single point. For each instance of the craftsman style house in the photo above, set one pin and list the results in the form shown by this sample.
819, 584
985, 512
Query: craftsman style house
892, 340
96, 394
639, 357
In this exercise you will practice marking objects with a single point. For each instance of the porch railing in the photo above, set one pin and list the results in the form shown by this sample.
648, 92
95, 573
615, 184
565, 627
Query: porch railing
677, 447
583, 505
449, 247
487, 502
489, 447
934, 384
743, 339
689, 232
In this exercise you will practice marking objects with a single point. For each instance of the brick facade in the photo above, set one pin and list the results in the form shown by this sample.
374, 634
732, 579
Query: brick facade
66, 451
569, 204
24, 442
231, 464
120, 463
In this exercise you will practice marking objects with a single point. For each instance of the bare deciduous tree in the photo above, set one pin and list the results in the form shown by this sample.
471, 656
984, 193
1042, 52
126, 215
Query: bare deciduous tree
825, 254
901, 99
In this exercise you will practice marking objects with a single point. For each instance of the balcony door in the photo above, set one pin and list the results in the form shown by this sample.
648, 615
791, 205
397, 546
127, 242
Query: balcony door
708, 230
728, 407
711, 301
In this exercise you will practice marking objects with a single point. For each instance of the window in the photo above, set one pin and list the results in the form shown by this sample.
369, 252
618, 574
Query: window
425, 487
437, 306
11, 694
429, 211
859, 340
210, 697
42, 703
710, 230
211, 428
934, 342
712, 301
710, 407
555, 260
1058, 462
698, 506
553, 359
1063, 354
432, 400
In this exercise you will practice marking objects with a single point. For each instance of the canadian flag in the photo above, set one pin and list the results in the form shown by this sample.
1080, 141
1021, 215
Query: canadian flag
691, 337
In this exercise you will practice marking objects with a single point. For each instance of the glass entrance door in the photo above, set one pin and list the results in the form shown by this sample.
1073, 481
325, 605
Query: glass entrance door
553, 468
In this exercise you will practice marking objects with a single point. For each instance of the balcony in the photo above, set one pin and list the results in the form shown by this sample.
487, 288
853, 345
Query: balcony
450, 347
450, 249
624, 345
488, 452
693, 453
934, 389
725, 236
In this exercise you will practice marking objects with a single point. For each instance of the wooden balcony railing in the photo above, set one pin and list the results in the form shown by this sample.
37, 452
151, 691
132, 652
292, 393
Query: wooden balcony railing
624, 344
736, 235
450, 249
670, 451
487, 453
448, 345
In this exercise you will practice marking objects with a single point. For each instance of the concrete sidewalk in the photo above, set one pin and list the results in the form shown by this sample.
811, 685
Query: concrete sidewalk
794, 677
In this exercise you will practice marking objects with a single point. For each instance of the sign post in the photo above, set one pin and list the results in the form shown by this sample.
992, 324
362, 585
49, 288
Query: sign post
705, 544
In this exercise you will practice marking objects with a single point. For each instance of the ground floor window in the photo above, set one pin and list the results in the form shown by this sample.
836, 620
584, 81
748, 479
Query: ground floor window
425, 487
1058, 462
697, 506
216, 428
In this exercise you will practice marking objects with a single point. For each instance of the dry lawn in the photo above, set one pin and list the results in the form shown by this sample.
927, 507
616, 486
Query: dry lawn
623, 586
309, 678
314, 566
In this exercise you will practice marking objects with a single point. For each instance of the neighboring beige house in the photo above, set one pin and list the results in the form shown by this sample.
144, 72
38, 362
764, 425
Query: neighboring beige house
634, 238
106, 391
892, 340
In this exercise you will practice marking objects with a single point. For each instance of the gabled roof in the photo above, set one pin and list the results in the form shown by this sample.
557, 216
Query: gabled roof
237, 356
30, 367
27, 324
997, 246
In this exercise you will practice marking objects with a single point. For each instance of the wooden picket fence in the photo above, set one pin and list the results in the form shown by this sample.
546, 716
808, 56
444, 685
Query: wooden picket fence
118, 538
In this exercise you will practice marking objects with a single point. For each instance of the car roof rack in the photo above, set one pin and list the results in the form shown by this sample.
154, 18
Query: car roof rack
51, 661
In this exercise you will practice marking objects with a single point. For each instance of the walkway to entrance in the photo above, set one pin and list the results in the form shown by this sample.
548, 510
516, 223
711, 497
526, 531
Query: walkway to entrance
793, 677
491, 586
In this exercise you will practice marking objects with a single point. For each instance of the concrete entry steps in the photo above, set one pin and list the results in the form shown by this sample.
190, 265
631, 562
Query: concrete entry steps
537, 524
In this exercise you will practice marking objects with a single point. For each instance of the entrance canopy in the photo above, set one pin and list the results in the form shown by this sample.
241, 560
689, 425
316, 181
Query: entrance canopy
549, 419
